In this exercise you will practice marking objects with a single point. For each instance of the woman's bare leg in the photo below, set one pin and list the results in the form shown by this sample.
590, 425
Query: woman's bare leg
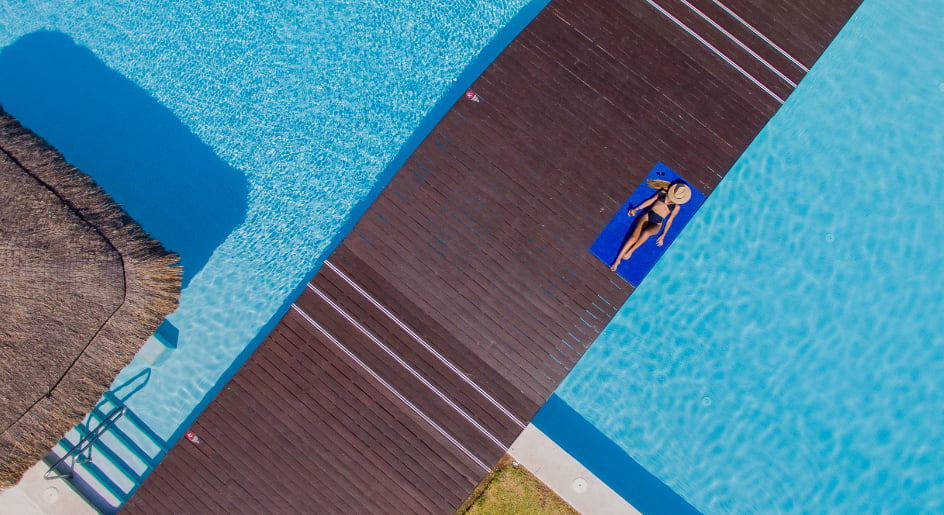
646, 230
650, 230
637, 230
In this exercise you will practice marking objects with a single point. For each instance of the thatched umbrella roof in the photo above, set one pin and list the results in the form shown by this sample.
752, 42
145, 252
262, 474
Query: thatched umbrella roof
81, 288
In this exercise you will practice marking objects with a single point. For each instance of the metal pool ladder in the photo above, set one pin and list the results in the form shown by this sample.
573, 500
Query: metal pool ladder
126, 450
84, 444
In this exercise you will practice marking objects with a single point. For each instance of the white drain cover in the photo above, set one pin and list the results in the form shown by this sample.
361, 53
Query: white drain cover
579, 485
51, 495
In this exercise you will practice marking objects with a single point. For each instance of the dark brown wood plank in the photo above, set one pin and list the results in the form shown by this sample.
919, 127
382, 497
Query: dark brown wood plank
479, 244
380, 362
411, 450
364, 409
451, 345
419, 359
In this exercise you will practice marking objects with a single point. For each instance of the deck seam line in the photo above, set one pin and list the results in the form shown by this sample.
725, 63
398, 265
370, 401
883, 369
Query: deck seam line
738, 42
760, 35
717, 52
419, 377
402, 325
390, 388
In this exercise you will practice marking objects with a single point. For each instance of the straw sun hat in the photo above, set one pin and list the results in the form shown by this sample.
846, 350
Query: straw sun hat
679, 193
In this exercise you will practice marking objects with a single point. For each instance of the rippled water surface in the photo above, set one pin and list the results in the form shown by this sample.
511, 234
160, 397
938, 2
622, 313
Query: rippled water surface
301, 106
786, 354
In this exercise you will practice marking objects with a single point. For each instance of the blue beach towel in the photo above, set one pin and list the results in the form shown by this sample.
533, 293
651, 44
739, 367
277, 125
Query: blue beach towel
611, 239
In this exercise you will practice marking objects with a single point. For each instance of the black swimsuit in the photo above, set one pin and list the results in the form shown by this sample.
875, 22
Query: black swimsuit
656, 218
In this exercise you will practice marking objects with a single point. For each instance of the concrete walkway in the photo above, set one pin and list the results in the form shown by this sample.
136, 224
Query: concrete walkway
34, 495
566, 476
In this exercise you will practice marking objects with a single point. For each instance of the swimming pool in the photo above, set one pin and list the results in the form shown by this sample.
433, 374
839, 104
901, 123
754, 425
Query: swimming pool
785, 355
245, 136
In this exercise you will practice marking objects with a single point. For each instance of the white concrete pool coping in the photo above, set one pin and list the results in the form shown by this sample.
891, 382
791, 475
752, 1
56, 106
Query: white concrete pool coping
563, 474
34, 495
566, 476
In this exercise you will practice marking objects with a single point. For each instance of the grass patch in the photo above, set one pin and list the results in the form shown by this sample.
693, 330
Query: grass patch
513, 490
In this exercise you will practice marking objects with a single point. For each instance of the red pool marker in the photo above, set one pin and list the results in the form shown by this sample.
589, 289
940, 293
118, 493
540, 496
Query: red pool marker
471, 95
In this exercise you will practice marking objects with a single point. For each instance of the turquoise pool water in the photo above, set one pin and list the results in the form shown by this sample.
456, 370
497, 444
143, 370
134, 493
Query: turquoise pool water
245, 135
786, 354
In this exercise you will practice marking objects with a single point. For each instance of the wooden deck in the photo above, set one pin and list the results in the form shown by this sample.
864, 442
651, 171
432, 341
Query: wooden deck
474, 259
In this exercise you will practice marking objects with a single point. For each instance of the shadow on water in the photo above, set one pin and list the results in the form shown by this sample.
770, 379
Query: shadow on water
607, 460
136, 149
133, 385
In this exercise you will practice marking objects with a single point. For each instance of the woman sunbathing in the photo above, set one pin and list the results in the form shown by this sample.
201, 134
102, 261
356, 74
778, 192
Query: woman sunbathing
661, 206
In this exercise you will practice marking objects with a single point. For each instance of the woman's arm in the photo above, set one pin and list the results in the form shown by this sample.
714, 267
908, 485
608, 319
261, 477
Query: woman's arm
646, 203
668, 223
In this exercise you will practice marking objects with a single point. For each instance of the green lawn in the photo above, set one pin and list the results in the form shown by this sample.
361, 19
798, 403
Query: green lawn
511, 490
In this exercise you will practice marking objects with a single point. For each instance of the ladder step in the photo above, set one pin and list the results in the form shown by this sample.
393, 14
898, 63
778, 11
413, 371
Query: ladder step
118, 494
159, 447
135, 472
122, 450
122, 434
90, 482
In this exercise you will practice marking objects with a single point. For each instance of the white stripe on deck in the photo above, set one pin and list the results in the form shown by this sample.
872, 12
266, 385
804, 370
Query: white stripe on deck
419, 377
717, 52
429, 348
739, 43
391, 389
761, 36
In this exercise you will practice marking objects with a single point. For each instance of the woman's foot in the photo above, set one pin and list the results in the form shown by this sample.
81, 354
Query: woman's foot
619, 259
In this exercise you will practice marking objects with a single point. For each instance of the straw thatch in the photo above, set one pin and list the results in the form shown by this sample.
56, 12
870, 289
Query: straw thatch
81, 288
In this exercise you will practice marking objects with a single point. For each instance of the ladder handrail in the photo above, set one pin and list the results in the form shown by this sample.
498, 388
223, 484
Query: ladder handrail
86, 441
